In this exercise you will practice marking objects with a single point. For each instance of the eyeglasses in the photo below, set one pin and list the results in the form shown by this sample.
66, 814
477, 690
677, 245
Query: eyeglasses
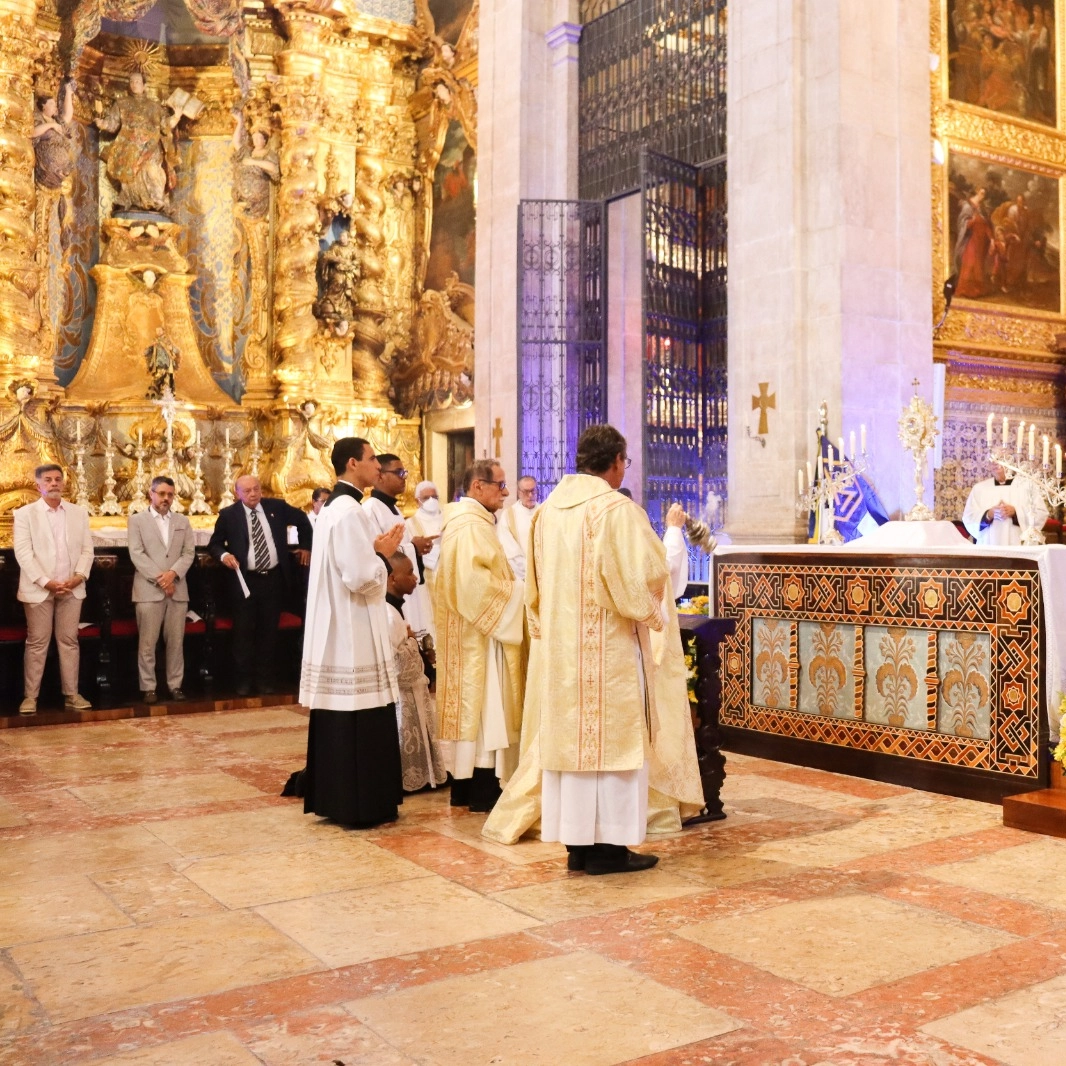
629, 462
501, 485
398, 472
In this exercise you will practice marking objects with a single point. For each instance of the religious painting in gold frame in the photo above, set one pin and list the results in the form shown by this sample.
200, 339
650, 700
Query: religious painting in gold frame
1004, 232
449, 17
1003, 56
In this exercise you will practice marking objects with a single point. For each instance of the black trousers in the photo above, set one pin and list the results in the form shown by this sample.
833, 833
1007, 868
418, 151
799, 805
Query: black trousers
255, 629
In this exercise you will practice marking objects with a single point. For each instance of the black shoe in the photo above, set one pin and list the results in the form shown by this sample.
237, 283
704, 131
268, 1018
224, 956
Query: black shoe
484, 790
177, 695
243, 690
617, 860
576, 855
460, 796
149, 696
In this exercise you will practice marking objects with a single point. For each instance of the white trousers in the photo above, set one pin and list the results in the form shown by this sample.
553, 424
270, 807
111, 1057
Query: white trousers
594, 807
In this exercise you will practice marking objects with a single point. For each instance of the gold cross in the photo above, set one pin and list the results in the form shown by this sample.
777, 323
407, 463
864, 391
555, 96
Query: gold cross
763, 403
497, 435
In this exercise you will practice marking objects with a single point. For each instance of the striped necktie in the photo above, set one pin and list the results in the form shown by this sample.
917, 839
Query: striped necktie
260, 551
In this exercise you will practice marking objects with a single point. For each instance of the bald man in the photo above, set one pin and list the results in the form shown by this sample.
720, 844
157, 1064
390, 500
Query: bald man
250, 538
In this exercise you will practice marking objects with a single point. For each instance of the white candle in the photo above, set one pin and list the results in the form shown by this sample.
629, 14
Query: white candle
109, 438
227, 436
255, 440
77, 430
988, 430
1020, 437
1058, 461
851, 445
862, 437
1032, 440
799, 481
197, 438
1047, 450
140, 438
840, 447
1006, 430
810, 474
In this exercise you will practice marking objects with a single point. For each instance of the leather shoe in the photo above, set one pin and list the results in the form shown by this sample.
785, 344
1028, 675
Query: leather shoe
28, 705
77, 702
149, 696
577, 855
618, 860
177, 695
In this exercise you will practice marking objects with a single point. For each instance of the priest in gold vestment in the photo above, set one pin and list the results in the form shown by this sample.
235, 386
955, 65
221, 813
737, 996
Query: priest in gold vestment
480, 667
597, 587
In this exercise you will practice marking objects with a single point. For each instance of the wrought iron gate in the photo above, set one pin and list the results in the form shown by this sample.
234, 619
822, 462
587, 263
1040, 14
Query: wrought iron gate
562, 386
684, 210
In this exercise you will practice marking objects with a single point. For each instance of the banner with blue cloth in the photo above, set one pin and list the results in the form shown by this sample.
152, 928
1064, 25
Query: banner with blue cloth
858, 507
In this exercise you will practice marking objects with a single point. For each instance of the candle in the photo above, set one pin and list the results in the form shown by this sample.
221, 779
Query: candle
227, 436
1058, 461
197, 438
255, 440
810, 474
1047, 449
77, 430
862, 437
1006, 430
140, 438
109, 439
988, 431
1020, 437
1032, 440
799, 481
851, 444
840, 447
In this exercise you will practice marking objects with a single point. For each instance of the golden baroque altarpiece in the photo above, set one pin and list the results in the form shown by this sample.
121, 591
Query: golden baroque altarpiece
240, 218
998, 75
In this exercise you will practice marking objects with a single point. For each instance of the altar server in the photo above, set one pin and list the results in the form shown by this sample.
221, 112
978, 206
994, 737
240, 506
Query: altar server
1000, 508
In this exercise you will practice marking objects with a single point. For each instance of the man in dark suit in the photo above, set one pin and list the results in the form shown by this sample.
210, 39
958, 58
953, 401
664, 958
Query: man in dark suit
250, 538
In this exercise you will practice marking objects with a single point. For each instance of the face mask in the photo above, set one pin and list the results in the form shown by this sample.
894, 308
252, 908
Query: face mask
431, 505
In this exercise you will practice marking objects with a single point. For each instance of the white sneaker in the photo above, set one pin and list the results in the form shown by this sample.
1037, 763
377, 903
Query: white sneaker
77, 702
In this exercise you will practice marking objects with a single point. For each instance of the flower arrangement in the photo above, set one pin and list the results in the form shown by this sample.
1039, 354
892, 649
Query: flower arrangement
692, 675
697, 605
1059, 753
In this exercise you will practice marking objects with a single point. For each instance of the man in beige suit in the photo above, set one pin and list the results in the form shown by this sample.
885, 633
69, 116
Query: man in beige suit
55, 552
161, 550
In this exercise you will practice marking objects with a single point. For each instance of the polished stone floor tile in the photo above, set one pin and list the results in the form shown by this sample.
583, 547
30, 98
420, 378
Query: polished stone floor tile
33, 857
97, 973
18, 1009
10, 815
336, 864
724, 871
385, 920
1026, 1028
87, 734
842, 945
217, 722
283, 744
1044, 860
156, 894
740, 790
160, 792
578, 895
206, 1049
466, 828
279, 825
576, 1009
67, 905
75, 766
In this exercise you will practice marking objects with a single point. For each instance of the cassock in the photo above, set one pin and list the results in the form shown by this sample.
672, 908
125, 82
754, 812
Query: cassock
384, 515
1002, 532
348, 678
591, 608
420, 754
676, 560
480, 659
512, 527
426, 523
673, 782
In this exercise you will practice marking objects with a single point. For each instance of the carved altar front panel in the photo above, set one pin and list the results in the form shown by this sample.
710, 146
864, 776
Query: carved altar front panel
937, 659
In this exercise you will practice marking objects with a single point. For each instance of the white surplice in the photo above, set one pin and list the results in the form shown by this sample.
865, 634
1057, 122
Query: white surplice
985, 495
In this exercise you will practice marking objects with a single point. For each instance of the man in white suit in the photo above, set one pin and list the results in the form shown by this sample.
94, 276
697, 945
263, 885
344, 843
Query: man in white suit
161, 549
54, 551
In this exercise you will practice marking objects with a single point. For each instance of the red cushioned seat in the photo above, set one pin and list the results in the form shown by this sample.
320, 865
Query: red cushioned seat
89, 633
198, 626
223, 623
124, 627
289, 620
12, 634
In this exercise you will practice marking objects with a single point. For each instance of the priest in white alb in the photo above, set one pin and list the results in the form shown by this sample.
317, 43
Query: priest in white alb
1000, 508
480, 657
512, 525
348, 677
597, 585
426, 523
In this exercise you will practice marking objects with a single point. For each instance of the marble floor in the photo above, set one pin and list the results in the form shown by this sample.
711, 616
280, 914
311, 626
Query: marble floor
160, 904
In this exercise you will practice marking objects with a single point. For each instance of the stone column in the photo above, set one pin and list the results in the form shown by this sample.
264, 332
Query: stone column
300, 66
527, 149
19, 276
829, 237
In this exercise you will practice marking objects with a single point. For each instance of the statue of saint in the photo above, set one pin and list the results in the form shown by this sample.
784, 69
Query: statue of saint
53, 139
338, 276
257, 169
163, 360
141, 163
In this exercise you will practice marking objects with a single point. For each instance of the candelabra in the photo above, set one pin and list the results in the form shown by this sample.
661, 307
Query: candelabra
836, 475
81, 485
198, 504
1040, 483
138, 501
255, 455
227, 475
110, 504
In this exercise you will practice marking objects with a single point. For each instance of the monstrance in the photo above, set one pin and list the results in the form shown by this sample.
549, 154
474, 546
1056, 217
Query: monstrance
917, 433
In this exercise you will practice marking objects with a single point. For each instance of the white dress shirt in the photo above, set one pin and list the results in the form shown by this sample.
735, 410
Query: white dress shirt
271, 548
57, 522
162, 525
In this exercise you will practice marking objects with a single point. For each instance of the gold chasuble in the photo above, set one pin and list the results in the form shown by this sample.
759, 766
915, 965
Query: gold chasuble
473, 597
585, 706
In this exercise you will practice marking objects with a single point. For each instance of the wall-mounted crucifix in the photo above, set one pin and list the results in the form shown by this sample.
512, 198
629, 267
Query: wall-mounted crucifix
497, 436
765, 401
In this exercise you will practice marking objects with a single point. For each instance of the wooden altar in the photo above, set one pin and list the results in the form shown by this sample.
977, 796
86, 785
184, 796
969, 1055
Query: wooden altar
923, 669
